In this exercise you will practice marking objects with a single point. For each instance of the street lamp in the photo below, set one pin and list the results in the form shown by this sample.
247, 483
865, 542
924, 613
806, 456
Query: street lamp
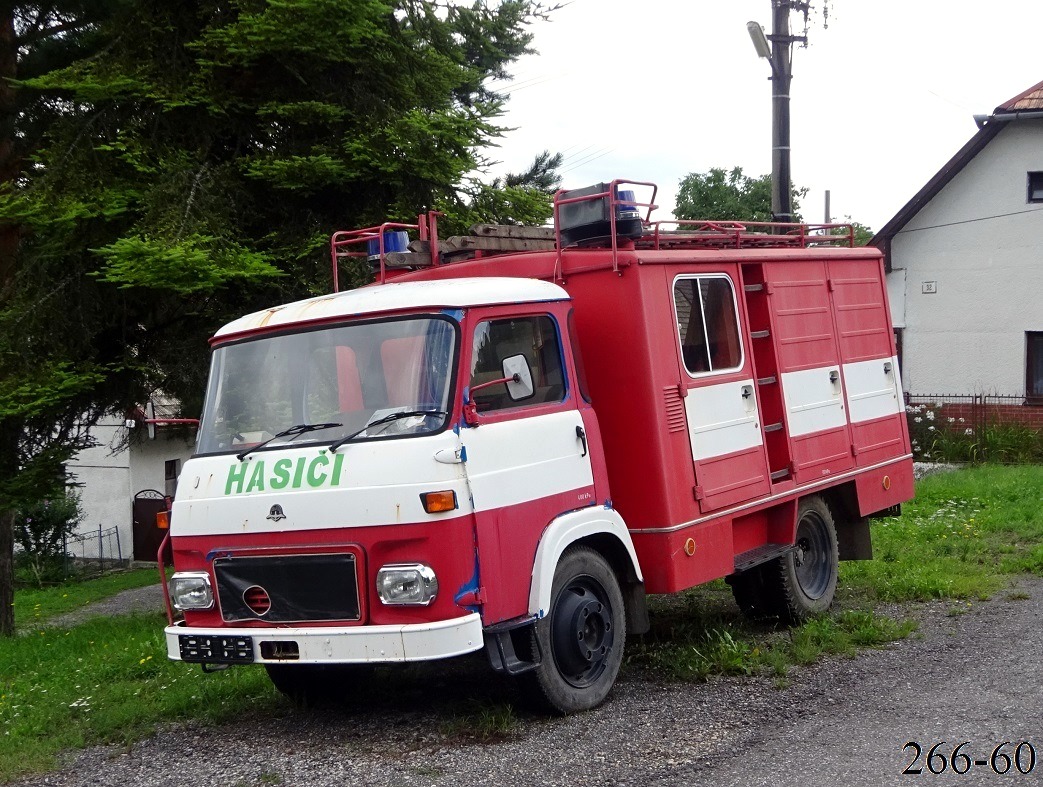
779, 55
760, 41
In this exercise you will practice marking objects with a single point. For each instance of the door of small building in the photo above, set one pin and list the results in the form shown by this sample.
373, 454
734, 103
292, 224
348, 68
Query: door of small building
147, 537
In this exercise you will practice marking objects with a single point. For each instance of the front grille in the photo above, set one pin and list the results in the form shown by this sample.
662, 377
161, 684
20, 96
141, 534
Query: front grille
288, 588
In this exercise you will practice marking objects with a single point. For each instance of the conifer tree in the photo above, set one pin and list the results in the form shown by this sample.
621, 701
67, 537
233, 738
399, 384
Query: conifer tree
166, 164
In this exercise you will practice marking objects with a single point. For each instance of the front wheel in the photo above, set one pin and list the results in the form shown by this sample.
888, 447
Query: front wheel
581, 639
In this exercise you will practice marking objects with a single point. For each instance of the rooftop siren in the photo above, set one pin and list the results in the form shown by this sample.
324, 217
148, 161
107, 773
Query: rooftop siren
393, 241
589, 219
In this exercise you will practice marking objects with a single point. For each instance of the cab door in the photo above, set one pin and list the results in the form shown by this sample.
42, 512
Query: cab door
721, 399
526, 454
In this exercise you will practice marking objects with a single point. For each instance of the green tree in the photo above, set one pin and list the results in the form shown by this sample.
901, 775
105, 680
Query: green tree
863, 234
721, 194
182, 161
525, 198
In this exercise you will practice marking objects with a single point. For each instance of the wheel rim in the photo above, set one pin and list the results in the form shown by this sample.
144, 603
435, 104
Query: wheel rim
582, 632
811, 557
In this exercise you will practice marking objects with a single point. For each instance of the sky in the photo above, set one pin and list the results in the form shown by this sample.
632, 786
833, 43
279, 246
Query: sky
652, 90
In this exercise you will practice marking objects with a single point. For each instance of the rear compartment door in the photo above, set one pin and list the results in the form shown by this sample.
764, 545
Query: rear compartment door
810, 369
869, 364
720, 391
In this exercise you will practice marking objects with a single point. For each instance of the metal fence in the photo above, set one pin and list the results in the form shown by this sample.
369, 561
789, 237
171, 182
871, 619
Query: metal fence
93, 551
982, 410
975, 427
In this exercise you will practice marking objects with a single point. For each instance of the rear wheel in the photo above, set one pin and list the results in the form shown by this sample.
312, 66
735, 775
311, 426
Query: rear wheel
807, 577
801, 583
581, 639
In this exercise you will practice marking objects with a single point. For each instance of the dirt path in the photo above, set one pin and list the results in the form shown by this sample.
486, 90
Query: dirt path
976, 676
146, 599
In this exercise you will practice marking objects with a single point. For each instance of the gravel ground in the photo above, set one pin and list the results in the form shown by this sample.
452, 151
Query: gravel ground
973, 673
146, 599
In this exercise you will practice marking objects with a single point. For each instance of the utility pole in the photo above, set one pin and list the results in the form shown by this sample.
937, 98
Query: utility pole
780, 55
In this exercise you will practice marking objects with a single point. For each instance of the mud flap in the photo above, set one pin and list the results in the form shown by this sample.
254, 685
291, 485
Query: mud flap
853, 540
500, 646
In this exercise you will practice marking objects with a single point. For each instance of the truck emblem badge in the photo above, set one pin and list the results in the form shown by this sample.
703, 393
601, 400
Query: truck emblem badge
276, 513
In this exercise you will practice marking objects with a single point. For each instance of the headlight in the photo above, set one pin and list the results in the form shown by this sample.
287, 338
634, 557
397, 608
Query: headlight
414, 583
191, 590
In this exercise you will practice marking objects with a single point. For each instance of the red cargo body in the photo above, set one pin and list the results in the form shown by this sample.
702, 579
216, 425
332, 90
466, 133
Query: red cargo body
807, 318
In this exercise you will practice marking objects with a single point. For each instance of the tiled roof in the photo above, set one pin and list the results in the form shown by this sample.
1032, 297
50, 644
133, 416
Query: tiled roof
1030, 99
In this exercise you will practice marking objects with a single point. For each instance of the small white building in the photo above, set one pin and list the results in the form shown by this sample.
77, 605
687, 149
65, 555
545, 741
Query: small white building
122, 482
965, 263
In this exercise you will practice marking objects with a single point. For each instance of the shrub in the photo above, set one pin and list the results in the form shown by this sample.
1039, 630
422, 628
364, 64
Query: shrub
939, 437
40, 532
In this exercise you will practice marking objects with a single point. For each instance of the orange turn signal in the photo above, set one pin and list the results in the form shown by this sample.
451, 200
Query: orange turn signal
436, 502
163, 520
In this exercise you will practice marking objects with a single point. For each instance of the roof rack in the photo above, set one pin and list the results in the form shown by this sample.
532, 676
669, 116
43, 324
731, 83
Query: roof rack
602, 216
701, 234
384, 240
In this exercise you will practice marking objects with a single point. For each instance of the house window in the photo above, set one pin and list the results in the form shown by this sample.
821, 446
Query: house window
171, 470
708, 324
1035, 187
1034, 367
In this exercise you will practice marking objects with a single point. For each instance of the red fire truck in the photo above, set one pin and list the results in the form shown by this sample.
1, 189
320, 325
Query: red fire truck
512, 437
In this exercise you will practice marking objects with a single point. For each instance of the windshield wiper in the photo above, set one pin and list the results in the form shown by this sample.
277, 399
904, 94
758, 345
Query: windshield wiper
292, 431
385, 420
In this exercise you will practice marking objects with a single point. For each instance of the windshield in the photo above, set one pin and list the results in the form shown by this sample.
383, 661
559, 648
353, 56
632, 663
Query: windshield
323, 385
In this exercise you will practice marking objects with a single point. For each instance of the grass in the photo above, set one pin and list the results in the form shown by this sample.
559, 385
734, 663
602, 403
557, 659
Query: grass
105, 681
34, 606
481, 722
706, 635
964, 538
108, 680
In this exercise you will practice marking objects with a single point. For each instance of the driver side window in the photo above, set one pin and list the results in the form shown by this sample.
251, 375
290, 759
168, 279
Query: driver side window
534, 338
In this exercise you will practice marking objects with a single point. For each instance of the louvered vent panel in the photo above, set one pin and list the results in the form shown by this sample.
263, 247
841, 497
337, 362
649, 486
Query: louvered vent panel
674, 409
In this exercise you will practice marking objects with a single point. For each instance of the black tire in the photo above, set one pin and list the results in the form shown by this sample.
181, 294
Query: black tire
308, 685
806, 578
582, 637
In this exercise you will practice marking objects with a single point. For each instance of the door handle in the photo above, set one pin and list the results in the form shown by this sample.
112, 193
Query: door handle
582, 436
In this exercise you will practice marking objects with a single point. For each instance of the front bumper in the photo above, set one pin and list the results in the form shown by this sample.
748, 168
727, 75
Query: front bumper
340, 645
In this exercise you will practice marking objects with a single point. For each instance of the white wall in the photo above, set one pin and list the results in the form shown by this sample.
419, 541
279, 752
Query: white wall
981, 242
109, 480
104, 479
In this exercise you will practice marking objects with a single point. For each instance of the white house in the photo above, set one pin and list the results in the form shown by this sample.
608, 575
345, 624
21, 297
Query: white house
965, 264
122, 481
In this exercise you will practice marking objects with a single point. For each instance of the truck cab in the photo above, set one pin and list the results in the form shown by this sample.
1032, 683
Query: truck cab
375, 473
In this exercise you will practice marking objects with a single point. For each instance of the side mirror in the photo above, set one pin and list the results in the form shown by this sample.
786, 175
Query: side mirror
518, 377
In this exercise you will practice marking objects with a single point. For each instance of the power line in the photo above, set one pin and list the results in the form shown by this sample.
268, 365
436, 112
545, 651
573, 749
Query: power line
588, 159
970, 221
